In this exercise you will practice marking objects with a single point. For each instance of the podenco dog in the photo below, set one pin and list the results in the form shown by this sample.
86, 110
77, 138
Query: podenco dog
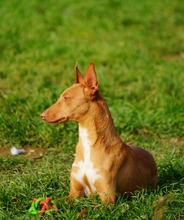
103, 162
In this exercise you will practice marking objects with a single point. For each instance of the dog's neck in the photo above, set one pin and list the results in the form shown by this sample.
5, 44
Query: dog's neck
99, 125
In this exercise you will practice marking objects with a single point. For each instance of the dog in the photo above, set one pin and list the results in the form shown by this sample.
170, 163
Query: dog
103, 162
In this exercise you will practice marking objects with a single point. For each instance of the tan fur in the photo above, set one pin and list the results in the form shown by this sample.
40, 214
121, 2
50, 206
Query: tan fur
122, 168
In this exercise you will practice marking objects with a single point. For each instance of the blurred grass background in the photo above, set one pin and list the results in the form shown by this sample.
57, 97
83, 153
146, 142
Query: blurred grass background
138, 51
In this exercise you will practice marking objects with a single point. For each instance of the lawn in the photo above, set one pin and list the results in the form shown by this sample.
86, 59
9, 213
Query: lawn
138, 51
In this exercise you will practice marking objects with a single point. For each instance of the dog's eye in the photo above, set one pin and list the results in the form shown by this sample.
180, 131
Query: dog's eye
66, 97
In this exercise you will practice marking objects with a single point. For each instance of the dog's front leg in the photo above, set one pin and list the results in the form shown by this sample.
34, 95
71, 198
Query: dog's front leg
107, 192
76, 188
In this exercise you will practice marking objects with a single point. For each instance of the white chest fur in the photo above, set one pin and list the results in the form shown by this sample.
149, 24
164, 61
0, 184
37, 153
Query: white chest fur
85, 166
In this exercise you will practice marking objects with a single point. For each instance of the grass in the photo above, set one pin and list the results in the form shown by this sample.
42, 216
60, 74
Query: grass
138, 50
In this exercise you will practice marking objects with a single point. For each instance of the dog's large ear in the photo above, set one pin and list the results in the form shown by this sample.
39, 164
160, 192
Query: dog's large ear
79, 77
90, 80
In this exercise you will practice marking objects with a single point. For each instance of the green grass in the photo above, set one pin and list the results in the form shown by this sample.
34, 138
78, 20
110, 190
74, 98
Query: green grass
138, 50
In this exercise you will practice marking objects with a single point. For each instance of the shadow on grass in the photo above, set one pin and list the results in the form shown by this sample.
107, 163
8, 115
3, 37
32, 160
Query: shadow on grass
171, 174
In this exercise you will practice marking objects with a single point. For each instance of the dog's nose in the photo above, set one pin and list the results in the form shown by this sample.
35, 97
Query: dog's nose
43, 115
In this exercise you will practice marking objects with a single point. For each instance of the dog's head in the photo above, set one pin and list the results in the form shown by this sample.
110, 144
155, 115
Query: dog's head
75, 101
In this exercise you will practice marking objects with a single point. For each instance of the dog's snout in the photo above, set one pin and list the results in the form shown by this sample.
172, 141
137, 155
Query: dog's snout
43, 115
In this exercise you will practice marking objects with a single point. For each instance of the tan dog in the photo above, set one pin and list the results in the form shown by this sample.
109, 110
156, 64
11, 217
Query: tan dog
103, 162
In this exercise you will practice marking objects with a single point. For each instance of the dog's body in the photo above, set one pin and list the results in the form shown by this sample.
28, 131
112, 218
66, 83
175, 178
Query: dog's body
103, 162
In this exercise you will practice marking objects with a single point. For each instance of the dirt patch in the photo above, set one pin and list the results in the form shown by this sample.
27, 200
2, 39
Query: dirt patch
30, 152
176, 143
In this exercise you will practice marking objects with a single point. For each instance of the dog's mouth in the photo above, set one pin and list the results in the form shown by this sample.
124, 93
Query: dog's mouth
58, 121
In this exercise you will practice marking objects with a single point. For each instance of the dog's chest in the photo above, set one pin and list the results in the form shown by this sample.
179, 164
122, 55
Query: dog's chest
86, 174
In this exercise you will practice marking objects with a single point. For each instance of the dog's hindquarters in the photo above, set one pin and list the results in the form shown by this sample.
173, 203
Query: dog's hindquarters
139, 171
